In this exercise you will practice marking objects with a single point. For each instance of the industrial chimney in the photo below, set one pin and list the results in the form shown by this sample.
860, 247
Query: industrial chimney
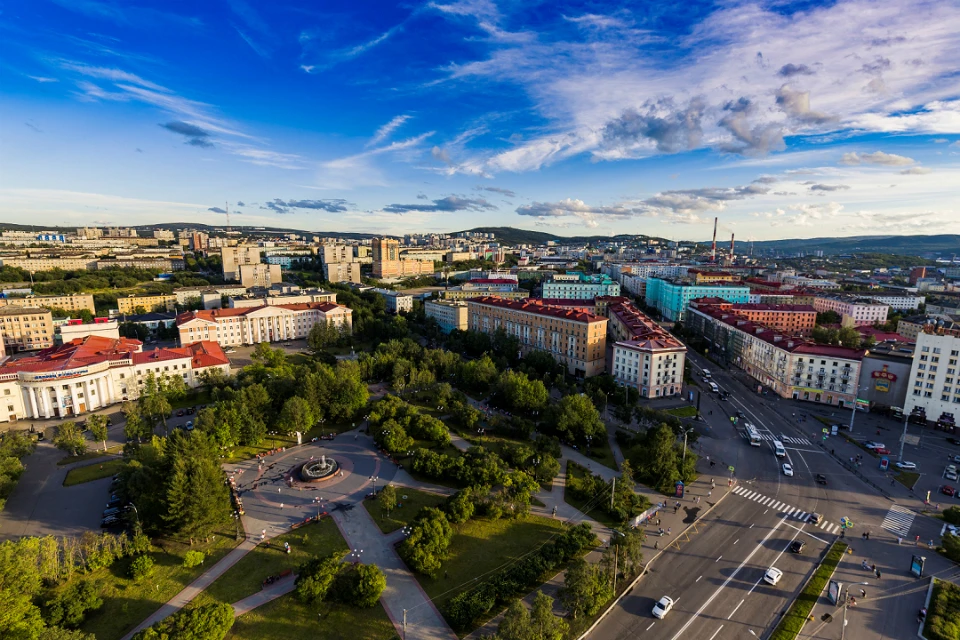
713, 250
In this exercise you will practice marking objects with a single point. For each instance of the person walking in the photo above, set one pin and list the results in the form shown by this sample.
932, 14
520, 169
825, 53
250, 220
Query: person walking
863, 594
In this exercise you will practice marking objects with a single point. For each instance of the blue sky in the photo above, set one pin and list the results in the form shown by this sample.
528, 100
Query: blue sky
784, 119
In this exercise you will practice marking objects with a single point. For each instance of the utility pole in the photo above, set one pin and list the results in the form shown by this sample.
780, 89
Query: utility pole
684, 458
616, 557
903, 437
404, 624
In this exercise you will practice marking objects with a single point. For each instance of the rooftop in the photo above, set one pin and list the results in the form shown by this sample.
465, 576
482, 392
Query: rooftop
19, 311
77, 353
646, 332
211, 315
537, 307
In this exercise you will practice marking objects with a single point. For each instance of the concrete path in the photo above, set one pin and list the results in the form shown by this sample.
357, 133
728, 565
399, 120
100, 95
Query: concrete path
269, 594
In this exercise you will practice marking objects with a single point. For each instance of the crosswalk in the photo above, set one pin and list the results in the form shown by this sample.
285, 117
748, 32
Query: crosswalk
898, 520
785, 509
785, 439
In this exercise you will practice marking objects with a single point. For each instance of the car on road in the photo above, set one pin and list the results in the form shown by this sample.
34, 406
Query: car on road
787, 469
881, 451
663, 607
947, 490
870, 444
905, 464
814, 518
741, 415
191, 411
180, 413
797, 546
821, 479
189, 425
772, 576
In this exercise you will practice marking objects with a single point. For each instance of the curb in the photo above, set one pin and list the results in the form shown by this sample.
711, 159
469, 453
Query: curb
926, 605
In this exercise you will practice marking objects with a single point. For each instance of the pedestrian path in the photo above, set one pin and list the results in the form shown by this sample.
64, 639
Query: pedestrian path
785, 439
785, 509
898, 520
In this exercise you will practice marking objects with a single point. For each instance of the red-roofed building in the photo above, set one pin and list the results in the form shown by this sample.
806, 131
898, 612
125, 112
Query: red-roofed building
94, 372
644, 356
790, 318
577, 339
266, 323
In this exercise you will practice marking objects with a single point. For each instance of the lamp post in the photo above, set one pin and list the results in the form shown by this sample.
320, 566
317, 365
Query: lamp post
374, 478
684, 458
853, 414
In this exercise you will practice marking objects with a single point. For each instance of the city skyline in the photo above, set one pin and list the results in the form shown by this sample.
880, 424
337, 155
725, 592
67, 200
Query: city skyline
785, 120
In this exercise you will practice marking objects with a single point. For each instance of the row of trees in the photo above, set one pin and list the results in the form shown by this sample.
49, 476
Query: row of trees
206, 622
14, 445
619, 500
657, 458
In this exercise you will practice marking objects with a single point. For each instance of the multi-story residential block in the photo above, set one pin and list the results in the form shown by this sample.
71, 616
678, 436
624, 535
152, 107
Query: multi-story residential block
900, 302
934, 385
266, 323
672, 297
575, 285
260, 275
143, 262
87, 374
791, 366
466, 293
853, 310
78, 330
449, 314
703, 276
396, 302
186, 295
644, 356
235, 257
197, 241
575, 339
793, 319
71, 303
163, 234
342, 272
50, 263
335, 253
387, 262
153, 321
131, 304
26, 328
274, 298
634, 285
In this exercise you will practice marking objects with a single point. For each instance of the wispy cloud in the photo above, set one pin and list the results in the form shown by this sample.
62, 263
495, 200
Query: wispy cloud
443, 205
126, 15
877, 157
384, 132
336, 205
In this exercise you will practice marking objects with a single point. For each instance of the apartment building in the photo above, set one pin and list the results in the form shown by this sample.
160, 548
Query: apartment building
700, 276
26, 328
77, 329
143, 262
672, 297
266, 323
854, 311
186, 295
644, 356
130, 304
273, 298
575, 285
575, 339
342, 272
791, 366
387, 262
260, 275
87, 374
934, 383
792, 319
900, 302
72, 303
449, 314
235, 257
51, 263
396, 302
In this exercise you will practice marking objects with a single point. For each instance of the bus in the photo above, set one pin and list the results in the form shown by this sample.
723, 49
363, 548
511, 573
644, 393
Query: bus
753, 436
778, 449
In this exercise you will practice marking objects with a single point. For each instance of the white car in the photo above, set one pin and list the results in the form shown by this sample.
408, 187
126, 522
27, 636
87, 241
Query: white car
951, 475
663, 607
906, 465
951, 468
772, 576
870, 444
787, 469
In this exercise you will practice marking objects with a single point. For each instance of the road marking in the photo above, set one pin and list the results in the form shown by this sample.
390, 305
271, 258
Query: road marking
898, 520
803, 514
716, 632
806, 532
698, 579
751, 526
727, 581
736, 541
651, 626
735, 609
717, 560
764, 513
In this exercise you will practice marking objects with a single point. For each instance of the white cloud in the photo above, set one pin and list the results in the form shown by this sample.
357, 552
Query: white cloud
384, 132
877, 157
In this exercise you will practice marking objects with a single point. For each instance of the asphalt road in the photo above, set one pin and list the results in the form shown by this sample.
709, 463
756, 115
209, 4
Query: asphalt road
716, 577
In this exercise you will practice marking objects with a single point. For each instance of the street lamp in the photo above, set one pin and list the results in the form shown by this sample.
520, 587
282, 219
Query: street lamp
374, 478
684, 458
856, 392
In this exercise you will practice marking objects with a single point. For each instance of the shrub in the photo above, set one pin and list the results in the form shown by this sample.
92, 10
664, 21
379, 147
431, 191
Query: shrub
209, 622
952, 515
315, 577
360, 586
141, 567
193, 559
69, 607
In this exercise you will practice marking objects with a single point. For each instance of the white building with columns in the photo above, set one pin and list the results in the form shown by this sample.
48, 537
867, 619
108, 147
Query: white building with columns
86, 374
267, 323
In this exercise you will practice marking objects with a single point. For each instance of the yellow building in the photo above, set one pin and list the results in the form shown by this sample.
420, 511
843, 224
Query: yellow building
449, 314
387, 262
72, 303
26, 328
129, 304
704, 277
458, 293
49, 264
576, 339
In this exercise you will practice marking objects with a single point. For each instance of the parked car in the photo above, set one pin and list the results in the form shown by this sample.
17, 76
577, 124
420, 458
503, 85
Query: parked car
951, 475
772, 576
870, 444
906, 465
662, 607
189, 425
191, 411
180, 413
951, 468
788, 469
956, 459
881, 451
797, 546
821, 479
947, 490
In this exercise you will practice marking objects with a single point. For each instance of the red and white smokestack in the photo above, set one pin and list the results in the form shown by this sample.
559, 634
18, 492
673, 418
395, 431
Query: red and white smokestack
713, 250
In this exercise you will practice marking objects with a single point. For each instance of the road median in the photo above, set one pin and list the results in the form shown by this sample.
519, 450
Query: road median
792, 622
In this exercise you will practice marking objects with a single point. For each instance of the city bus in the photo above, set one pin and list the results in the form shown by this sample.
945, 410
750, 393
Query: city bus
753, 436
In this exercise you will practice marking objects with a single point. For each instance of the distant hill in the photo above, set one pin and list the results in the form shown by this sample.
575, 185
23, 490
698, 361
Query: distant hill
944, 244
511, 235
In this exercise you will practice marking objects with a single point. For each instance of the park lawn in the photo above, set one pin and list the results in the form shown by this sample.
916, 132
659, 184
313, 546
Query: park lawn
286, 618
907, 478
91, 454
90, 472
405, 510
482, 546
247, 575
602, 453
127, 603
683, 412
792, 623
943, 617
576, 471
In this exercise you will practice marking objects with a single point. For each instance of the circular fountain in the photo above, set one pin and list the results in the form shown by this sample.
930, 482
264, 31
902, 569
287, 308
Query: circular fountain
319, 470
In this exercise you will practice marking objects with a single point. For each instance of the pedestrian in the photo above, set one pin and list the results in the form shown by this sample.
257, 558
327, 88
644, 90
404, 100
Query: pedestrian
863, 594
709, 493
668, 530
656, 544
868, 535
899, 540
878, 573
263, 535
281, 505
658, 522
918, 540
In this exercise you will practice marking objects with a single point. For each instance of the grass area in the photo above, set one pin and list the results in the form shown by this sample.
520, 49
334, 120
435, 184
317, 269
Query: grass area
246, 577
907, 478
93, 454
943, 616
405, 509
92, 472
791, 624
586, 506
127, 603
602, 453
683, 412
285, 617
480, 547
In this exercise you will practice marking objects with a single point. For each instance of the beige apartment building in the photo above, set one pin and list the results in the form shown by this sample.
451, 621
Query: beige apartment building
341, 272
235, 257
49, 264
260, 275
449, 314
26, 328
266, 323
72, 303
387, 262
578, 340
644, 356
129, 304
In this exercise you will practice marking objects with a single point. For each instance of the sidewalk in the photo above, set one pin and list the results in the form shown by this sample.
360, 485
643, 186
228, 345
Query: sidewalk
274, 591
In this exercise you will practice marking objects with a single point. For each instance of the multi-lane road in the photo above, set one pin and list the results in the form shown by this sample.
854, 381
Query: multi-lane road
716, 577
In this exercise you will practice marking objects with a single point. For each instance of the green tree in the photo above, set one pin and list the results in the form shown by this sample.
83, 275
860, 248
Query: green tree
141, 567
193, 559
576, 419
516, 624
387, 499
519, 393
136, 428
153, 403
585, 589
70, 605
206, 622
828, 317
57, 633
849, 337
296, 415
461, 505
315, 577
426, 546
544, 623
98, 428
69, 439
361, 586
197, 498
658, 459
323, 335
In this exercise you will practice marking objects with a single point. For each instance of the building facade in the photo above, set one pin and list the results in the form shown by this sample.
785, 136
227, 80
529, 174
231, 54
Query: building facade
72, 303
50, 263
793, 319
672, 297
900, 302
934, 386
575, 339
579, 286
267, 323
235, 257
387, 262
84, 375
854, 311
129, 304
449, 314
644, 356
260, 275
885, 375
26, 328
342, 272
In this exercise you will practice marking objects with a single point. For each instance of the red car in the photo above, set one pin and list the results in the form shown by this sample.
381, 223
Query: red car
882, 451
947, 490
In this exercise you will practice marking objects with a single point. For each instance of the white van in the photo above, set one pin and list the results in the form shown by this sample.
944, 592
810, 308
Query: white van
714, 387
778, 449
706, 374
